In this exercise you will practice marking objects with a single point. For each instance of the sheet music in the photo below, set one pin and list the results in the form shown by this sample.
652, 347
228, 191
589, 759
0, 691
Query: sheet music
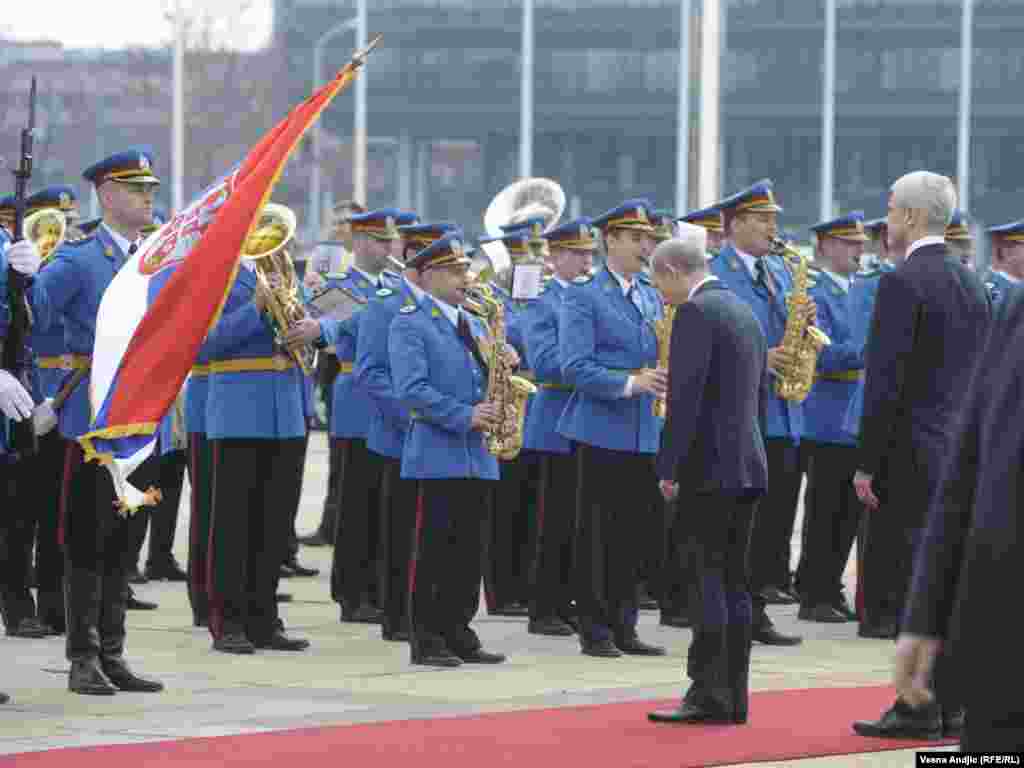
335, 303
526, 281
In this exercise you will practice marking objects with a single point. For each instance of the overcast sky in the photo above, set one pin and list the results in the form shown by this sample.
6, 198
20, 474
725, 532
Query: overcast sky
129, 23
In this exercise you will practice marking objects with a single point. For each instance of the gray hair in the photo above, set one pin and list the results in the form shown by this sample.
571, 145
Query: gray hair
929, 192
685, 252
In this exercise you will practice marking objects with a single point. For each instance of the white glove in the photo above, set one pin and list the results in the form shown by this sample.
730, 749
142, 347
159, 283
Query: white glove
23, 256
15, 401
44, 418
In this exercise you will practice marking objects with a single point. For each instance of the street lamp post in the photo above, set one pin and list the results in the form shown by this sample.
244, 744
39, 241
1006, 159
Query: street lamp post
357, 23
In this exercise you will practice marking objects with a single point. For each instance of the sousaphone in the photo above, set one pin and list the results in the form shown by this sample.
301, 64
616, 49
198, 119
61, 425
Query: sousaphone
515, 204
47, 228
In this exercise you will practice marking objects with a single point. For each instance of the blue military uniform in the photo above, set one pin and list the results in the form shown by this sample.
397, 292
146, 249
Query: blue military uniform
389, 422
438, 372
605, 338
998, 283
354, 579
763, 284
832, 511
95, 540
552, 595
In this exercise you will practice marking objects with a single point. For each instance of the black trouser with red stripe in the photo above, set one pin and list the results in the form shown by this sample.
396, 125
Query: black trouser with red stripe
354, 566
509, 534
253, 479
200, 478
445, 578
397, 528
556, 522
31, 504
96, 539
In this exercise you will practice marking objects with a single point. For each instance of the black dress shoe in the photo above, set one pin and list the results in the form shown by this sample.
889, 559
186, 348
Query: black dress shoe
87, 678
168, 569
602, 649
777, 596
883, 631
134, 604
634, 646
283, 597
438, 657
511, 609
121, 675
362, 614
953, 724
550, 625
315, 539
480, 656
821, 613
29, 627
134, 577
280, 641
769, 635
4, 698
901, 721
689, 713
233, 642
679, 621
300, 570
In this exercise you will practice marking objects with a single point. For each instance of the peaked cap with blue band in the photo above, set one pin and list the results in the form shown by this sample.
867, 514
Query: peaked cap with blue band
1012, 232
444, 252
576, 235
757, 198
710, 218
849, 226
59, 196
132, 167
632, 214
381, 224
422, 235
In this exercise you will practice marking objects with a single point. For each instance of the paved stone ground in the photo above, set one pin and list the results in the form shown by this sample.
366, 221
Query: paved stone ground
350, 675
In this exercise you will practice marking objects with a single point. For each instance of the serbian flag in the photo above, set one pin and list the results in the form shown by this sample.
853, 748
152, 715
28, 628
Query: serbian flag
157, 311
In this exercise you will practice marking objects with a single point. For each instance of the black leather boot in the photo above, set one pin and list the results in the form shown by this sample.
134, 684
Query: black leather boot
82, 598
738, 646
112, 635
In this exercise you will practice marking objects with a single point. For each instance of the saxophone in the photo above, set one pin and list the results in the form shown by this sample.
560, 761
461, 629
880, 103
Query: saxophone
663, 332
507, 391
801, 340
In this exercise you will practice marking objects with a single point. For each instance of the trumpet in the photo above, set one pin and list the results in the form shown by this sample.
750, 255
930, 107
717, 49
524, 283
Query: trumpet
47, 228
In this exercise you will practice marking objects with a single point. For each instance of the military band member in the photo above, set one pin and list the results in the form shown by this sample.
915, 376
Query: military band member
332, 256
1007, 269
609, 356
509, 551
375, 238
255, 422
389, 422
831, 509
95, 536
750, 219
959, 240
711, 220
439, 372
572, 247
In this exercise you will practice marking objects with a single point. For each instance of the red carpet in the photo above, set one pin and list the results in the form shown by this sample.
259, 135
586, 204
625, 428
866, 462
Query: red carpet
783, 725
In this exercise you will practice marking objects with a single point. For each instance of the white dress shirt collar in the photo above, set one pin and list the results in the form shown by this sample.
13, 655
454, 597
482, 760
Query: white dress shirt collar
749, 261
924, 241
841, 280
703, 281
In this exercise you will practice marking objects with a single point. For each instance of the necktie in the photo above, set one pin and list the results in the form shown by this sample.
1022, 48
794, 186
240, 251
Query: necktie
764, 277
466, 335
633, 296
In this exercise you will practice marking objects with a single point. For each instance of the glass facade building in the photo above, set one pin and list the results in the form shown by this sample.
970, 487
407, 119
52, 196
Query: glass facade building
444, 96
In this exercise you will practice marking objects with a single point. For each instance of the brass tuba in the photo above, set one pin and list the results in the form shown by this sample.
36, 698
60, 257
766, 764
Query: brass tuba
515, 204
46, 228
275, 272
801, 340
507, 391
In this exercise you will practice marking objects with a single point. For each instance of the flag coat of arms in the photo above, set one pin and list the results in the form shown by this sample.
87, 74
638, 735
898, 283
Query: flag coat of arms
162, 303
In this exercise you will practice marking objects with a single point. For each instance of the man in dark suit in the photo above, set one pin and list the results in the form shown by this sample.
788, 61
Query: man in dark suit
929, 322
971, 551
712, 452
